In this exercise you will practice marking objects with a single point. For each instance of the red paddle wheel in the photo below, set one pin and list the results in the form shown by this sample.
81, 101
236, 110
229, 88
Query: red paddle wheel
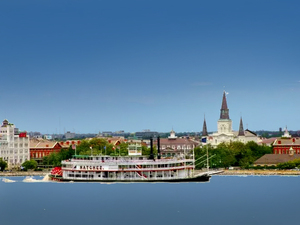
56, 171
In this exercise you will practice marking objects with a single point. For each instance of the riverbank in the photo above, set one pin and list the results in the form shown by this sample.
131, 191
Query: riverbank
261, 172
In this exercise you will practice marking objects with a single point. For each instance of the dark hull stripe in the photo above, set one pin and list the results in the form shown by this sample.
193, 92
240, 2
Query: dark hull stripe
193, 179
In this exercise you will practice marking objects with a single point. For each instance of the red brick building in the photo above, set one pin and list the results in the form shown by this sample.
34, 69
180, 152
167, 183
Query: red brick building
41, 147
284, 145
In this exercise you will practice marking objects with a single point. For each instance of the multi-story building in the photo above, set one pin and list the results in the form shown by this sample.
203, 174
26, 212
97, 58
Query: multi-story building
41, 147
69, 135
285, 148
174, 145
146, 134
14, 145
286, 144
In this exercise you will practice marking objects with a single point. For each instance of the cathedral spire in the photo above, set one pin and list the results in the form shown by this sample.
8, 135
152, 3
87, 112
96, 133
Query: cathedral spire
224, 109
204, 130
241, 129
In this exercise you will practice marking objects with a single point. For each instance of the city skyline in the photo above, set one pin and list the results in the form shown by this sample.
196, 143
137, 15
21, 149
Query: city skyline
160, 65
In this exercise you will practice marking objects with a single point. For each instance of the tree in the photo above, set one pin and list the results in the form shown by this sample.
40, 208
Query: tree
31, 164
231, 154
83, 147
146, 151
3, 164
200, 156
123, 149
98, 145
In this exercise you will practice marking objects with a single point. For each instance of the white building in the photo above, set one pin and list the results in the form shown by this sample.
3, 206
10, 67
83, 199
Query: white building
14, 146
135, 149
225, 134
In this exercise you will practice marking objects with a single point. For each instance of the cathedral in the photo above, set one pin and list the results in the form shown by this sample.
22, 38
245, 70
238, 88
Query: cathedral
225, 132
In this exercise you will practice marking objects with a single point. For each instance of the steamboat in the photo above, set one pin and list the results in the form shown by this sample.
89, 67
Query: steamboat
179, 168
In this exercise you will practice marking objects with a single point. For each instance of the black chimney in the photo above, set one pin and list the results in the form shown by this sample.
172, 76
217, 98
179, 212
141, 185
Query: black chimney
151, 149
158, 147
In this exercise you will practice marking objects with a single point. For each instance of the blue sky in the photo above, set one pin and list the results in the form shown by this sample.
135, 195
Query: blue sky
90, 66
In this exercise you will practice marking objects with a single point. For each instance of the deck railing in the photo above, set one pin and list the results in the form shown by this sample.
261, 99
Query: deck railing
134, 169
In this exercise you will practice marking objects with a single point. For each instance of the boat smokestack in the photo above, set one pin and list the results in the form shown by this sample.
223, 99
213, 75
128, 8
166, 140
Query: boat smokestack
158, 147
151, 149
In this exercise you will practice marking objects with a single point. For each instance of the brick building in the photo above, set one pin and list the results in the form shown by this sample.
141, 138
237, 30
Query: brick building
41, 147
286, 144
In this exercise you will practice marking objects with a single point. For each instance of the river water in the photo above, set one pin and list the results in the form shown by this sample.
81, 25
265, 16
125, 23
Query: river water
223, 200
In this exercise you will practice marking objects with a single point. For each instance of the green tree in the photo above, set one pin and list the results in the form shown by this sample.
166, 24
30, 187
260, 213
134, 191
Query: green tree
146, 151
95, 146
290, 164
232, 154
83, 147
30, 164
226, 154
66, 153
200, 154
122, 149
3, 164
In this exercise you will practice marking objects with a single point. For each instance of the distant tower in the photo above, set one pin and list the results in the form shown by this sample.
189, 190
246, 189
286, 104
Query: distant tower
286, 133
204, 130
280, 131
172, 135
241, 129
224, 123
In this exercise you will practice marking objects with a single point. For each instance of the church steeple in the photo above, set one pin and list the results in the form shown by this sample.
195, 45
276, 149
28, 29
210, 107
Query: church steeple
224, 109
204, 130
241, 129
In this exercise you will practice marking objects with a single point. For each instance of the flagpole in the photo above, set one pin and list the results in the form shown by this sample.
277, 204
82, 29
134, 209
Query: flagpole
207, 166
203, 140
194, 162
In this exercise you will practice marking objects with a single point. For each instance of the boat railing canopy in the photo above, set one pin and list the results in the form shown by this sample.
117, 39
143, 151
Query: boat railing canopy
110, 161
129, 156
81, 156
